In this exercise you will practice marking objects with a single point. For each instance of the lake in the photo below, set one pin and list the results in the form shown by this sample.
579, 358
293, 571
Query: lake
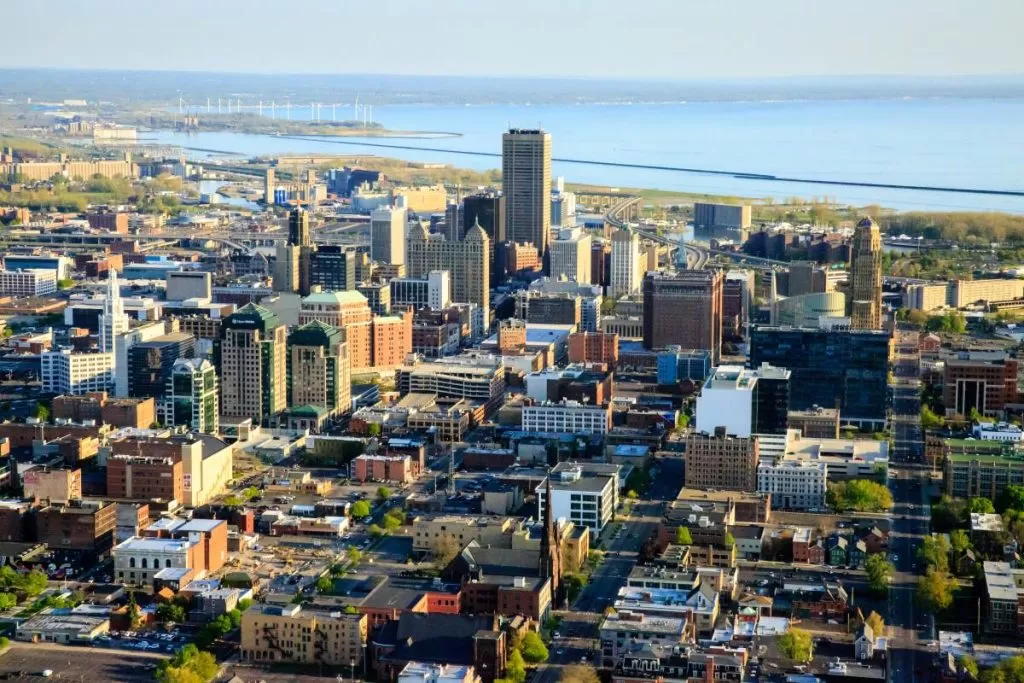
954, 142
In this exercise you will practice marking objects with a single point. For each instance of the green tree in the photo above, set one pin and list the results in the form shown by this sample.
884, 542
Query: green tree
445, 549
65, 283
859, 495
934, 552
959, 541
974, 416
683, 536
534, 650
383, 493
929, 420
935, 590
968, 663
134, 614
360, 509
373, 429
42, 412
7, 601
392, 522
729, 540
516, 668
353, 555
324, 584
250, 493
170, 613
574, 584
980, 505
233, 501
876, 622
797, 644
376, 531
879, 571
1012, 498
244, 604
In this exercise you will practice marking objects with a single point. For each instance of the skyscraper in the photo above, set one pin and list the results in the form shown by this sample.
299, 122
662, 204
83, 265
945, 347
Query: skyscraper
684, 308
526, 183
292, 269
467, 262
192, 397
387, 235
252, 355
113, 319
570, 256
298, 227
626, 274
319, 370
865, 299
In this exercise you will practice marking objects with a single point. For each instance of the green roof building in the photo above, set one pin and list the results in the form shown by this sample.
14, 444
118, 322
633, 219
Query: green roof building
319, 369
252, 357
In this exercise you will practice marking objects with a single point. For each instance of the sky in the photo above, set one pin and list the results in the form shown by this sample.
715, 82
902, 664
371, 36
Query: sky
638, 39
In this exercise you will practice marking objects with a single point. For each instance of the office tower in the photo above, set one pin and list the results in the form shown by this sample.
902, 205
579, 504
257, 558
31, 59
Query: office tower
487, 209
467, 263
150, 363
805, 277
387, 235
432, 291
843, 369
737, 292
113, 319
590, 297
378, 296
298, 227
744, 401
526, 185
373, 341
319, 369
600, 263
982, 385
453, 221
719, 461
333, 268
771, 400
252, 356
287, 265
685, 309
570, 256
192, 396
626, 269
865, 299
292, 267
721, 221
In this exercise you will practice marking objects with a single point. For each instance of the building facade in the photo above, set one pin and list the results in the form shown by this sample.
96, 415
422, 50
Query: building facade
252, 354
192, 397
720, 461
865, 300
319, 369
526, 186
626, 266
684, 309
468, 263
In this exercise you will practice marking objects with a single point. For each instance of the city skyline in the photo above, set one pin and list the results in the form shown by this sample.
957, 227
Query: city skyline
665, 40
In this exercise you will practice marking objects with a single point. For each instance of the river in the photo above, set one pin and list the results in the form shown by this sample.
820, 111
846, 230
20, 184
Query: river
965, 143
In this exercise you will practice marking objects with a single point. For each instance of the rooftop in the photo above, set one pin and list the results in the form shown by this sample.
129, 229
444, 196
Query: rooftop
625, 620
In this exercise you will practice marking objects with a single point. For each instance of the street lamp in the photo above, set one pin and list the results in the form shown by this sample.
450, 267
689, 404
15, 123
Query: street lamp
352, 668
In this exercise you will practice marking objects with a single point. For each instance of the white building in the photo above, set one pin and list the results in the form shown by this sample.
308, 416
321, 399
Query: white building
113, 319
727, 400
69, 372
567, 417
584, 499
137, 560
433, 291
33, 282
998, 431
570, 255
794, 484
387, 235
627, 271
189, 284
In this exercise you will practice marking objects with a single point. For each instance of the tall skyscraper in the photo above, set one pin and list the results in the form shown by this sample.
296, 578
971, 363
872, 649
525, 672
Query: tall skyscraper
150, 363
467, 262
387, 235
292, 269
298, 227
570, 256
319, 369
684, 308
113, 319
865, 299
626, 267
526, 184
192, 396
488, 210
333, 268
252, 355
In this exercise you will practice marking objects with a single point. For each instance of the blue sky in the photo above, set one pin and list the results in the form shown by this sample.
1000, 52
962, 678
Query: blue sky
670, 39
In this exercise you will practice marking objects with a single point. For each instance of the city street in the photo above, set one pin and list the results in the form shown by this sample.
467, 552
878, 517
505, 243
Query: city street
908, 438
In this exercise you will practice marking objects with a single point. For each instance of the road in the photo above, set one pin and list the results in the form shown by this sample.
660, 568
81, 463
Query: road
908, 438
910, 630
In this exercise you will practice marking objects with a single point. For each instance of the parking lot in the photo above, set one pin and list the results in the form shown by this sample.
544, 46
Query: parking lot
143, 641
27, 661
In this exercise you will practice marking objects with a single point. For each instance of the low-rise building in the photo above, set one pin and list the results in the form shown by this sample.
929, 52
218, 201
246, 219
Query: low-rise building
998, 431
584, 498
981, 468
86, 527
567, 416
297, 635
54, 625
419, 672
1003, 609
429, 532
619, 631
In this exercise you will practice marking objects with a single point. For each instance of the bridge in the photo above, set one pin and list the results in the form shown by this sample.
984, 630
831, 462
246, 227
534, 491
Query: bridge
629, 207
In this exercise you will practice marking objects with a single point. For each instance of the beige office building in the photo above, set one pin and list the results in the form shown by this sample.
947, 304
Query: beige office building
387, 235
627, 267
526, 185
468, 261
865, 299
570, 256
296, 635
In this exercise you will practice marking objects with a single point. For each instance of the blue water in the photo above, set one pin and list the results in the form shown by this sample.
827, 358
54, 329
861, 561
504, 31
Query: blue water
971, 143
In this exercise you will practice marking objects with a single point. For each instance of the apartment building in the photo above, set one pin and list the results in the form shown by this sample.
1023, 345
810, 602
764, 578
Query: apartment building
1003, 606
571, 417
721, 461
70, 372
594, 347
794, 484
26, 283
621, 630
430, 532
301, 635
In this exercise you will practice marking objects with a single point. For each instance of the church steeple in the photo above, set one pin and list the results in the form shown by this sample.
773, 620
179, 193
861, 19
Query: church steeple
550, 553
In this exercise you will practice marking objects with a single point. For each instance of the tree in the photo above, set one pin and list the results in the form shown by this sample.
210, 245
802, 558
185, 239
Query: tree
1007, 671
579, 673
929, 420
968, 663
683, 536
797, 644
392, 522
574, 584
383, 493
42, 412
360, 509
534, 650
515, 670
250, 493
934, 552
859, 495
373, 429
1012, 498
7, 601
324, 584
879, 571
233, 501
980, 505
729, 540
959, 541
171, 613
375, 530
65, 283
445, 550
353, 555
134, 614
244, 604
935, 590
876, 622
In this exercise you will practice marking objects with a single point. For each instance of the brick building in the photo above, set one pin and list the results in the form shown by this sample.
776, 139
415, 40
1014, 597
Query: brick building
86, 528
594, 347
145, 477
719, 461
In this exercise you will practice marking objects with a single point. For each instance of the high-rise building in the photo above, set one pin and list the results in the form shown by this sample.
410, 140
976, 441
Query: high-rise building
113, 319
150, 363
387, 235
434, 290
744, 401
192, 396
333, 268
293, 264
298, 227
684, 309
721, 461
627, 273
466, 261
865, 300
844, 369
268, 186
68, 372
570, 256
526, 185
252, 355
319, 370
453, 223
373, 341
771, 400
721, 221
487, 209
